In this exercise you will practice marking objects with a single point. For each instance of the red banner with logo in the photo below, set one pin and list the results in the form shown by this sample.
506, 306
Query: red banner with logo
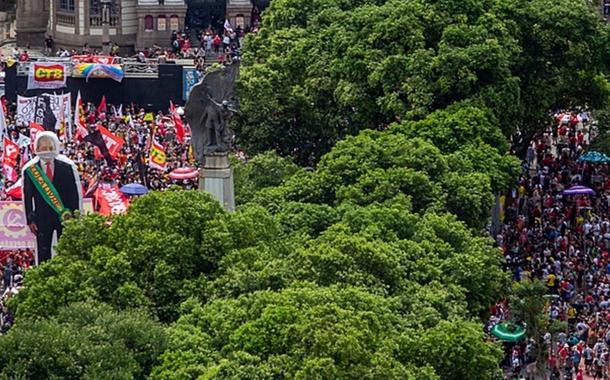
110, 200
46, 75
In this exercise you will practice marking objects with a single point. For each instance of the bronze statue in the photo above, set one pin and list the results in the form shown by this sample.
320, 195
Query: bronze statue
210, 106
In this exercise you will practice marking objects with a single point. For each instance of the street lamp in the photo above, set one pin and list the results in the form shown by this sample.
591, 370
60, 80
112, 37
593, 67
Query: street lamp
105, 25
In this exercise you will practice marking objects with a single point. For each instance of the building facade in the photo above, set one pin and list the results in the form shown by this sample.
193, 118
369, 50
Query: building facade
32, 21
133, 24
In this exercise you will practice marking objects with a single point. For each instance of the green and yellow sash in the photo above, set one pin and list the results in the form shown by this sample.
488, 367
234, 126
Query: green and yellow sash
46, 189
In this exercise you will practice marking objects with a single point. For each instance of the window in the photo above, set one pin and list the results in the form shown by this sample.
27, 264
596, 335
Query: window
66, 5
174, 22
239, 21
149, 23
161, 23
95, 8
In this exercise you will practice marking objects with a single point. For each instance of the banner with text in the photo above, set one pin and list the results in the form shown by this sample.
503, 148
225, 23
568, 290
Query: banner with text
33, 109
46, 75
111, 200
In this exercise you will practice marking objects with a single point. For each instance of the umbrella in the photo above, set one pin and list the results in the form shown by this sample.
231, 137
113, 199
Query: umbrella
184, 173
508, 332
134, 189
594, 157
578, 190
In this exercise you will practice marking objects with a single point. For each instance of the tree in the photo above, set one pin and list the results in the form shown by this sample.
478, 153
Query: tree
297, 333
263, 170
157, 255
458, 125
560, 66
385, 248
527, 302
450, 348
322, 70
83, 341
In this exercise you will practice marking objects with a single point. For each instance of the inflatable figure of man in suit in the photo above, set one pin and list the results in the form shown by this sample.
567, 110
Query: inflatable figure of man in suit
51, 192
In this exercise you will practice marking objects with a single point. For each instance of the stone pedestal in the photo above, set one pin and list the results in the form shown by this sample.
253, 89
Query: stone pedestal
216, 177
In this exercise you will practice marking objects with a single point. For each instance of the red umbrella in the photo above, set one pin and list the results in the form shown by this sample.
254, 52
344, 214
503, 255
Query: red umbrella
184, 173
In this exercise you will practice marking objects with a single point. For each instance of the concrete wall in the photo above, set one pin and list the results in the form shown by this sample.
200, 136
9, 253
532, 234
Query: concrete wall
32, 20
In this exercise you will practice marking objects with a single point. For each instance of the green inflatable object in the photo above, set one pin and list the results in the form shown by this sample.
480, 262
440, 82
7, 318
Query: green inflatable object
508, 332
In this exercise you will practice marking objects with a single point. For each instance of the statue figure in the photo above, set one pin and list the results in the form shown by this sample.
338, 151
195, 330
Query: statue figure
210, 106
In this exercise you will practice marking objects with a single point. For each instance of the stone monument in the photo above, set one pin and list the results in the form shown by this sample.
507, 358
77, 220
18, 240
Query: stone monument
208, 111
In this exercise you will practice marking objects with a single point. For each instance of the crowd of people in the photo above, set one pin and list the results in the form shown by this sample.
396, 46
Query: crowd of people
212, 47
137, 128
562, 239
222, 47
13, 264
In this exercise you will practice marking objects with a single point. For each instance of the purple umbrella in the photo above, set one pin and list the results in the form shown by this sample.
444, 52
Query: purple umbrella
579, 190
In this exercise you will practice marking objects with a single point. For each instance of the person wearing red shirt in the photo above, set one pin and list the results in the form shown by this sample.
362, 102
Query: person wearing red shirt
580, 137
24, 57
216, 42
574, 120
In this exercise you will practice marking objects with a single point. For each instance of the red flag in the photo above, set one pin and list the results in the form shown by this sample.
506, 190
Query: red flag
15, 190
35, 128
177, 123
9, 160
11, 151
111, 200
102, 107
113, 143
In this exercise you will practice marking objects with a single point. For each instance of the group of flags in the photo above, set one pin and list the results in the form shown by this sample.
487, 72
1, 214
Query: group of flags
107, 145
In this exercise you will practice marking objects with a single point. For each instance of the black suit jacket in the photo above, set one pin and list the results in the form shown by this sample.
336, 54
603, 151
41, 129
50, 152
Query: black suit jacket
65, 182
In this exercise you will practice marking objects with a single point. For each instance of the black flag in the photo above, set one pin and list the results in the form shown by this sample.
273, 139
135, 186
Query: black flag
96, 139
49, 120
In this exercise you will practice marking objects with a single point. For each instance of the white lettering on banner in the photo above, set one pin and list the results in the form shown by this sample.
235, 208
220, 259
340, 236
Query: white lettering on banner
41, 106
115, 201
27, 111
110, 143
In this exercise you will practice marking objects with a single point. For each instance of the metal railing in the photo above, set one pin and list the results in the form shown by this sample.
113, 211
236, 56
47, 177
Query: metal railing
141, 70
97, 21
65, 18
130, 69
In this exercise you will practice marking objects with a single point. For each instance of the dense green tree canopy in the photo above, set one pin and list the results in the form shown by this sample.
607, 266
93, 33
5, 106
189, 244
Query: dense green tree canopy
321, 70
83, 341
154, 256
327, 333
